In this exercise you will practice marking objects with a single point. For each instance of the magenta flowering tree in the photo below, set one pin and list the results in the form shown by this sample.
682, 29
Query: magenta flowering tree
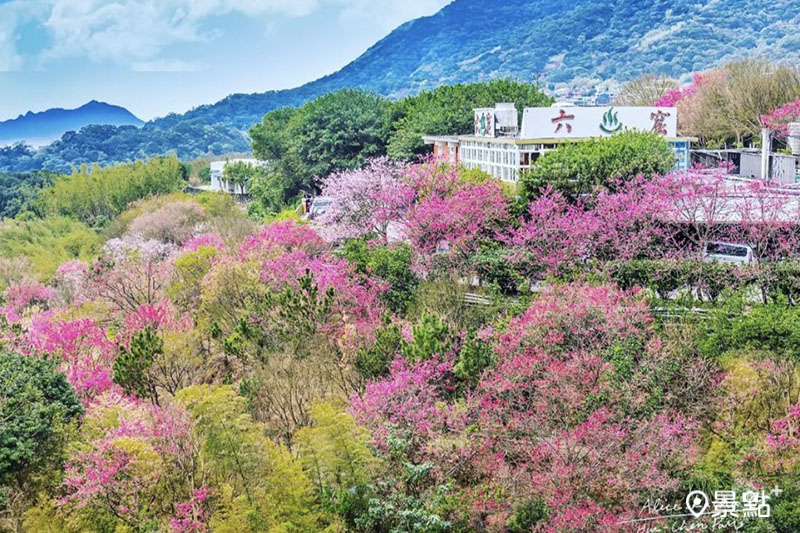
698, 204
559, 424
192, 515
211, 240
447, 230
356, 303
26, 299
767, 220
556, 236
627, 221
281, 237
674, 96
365, 202
159, 317
702, 205
782, 447
778, 119
83, 346
142, 449
433, 177
411, 405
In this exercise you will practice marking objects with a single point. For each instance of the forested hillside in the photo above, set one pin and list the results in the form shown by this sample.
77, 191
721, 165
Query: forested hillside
590, 45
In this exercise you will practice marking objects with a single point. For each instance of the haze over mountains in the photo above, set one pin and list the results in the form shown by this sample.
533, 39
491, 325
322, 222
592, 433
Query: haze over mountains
589, 45
44, 127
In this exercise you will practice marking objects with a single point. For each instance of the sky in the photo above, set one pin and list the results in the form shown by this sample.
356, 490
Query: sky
159, 56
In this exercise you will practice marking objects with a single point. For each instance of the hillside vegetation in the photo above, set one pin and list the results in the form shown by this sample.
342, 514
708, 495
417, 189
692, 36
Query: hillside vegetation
590, 46
437, 352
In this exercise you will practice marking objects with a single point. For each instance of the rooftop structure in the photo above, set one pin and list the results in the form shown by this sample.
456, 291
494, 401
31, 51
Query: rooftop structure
747, 163
220, 184
501, 148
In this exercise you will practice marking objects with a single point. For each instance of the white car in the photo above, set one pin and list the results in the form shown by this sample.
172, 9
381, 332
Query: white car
318, 207
727, 252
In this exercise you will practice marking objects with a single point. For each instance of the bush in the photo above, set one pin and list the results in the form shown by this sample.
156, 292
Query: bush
95, 195
36, 402
48, 242
704, 279
576, 168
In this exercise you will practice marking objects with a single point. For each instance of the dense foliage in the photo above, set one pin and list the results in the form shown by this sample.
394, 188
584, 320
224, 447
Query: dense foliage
95, 195
191, 371
342, 130
576, 169
38, 405
18, 191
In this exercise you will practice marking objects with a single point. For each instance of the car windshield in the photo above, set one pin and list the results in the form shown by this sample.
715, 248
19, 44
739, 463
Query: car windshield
721, 248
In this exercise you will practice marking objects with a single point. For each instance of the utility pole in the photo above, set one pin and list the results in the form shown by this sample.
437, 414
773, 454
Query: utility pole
765, 149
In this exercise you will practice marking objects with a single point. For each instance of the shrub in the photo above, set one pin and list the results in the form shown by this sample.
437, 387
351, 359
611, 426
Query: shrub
96, 195
48, 242
577, 168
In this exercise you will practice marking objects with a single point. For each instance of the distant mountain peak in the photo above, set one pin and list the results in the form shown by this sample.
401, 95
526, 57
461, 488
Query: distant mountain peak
46, 126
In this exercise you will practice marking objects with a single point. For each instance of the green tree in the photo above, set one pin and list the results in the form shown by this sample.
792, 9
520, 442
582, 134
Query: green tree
388, 263
577, 168
263, 488
36, 403
95, 195
448, 110
334, 453
338, 131
240, 173
133, 362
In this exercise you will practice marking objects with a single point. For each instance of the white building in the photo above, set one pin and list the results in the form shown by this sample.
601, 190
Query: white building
500, 148
218, 181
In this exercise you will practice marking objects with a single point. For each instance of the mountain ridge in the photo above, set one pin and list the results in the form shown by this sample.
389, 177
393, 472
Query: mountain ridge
51, 124
578, 48
577, 45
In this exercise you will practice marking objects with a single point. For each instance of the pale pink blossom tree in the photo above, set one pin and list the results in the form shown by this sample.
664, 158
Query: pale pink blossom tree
366, 201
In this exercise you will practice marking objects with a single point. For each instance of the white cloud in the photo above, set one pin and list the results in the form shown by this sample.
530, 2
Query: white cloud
138, 33
12, 14
9, 58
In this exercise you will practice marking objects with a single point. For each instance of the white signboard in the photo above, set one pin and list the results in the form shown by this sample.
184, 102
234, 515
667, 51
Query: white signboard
570, 122
484, 122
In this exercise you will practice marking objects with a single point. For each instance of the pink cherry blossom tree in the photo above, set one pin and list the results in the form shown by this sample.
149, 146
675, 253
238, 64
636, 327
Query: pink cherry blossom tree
447, 230
124, 469
132, 271
558, 423
365, 201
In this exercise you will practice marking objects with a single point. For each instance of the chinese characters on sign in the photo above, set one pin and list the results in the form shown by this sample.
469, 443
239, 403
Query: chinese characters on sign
563, 119
726, 512
658, 118
573, 122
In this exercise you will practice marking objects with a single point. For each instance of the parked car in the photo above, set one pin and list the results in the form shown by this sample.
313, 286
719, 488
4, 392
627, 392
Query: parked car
728, 252
319, 206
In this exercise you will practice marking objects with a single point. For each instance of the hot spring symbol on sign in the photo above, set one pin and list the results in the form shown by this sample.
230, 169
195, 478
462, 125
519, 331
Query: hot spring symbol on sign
610, 123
